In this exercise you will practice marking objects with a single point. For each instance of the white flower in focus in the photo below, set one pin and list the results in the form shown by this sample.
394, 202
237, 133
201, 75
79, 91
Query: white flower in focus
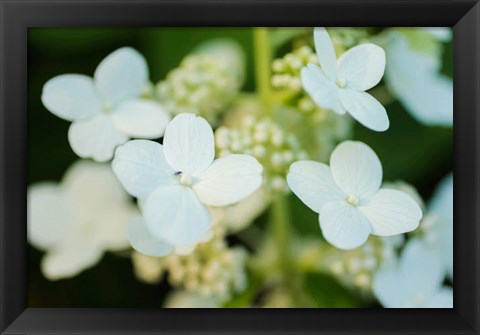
106, 110
340, 85
440, 233
414, 77
77, 220
176, 182
416, 282
348, 197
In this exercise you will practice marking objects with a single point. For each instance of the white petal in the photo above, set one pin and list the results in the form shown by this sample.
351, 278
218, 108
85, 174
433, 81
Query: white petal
391, 212
141, 167
189, 144
49, 214
356, 169
69, 261
95, 138
421, 269
441, 299
442, 201
414, 281
228, 180
313, 183
121, 76
71, 97
362, 66
343, 225
92, 188
365, 109
141, 118
144, 242
389, 289
174, 214
322, 91
325, 53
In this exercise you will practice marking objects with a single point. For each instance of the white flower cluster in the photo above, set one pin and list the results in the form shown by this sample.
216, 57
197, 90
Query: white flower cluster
189, 201
212, 269
204, 83
286, 70
273, 147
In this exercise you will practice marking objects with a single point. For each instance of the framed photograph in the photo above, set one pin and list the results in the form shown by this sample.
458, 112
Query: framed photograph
252, 167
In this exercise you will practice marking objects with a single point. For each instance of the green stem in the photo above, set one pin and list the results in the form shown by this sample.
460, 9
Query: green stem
263, 61
279, 223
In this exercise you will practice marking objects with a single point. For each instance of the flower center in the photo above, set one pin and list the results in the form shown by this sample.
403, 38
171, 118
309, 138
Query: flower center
353, 200
342, 82
184, 178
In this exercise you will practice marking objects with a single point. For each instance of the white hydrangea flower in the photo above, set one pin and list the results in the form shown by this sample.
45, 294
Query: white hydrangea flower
340, 85
107, 109
440, 233
348, 197
415, 282
176, 182
414, 77
77, 220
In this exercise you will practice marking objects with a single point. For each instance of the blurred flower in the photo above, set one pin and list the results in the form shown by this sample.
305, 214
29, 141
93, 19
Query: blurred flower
341, 85
77, 220
437, 226
416, 282
147, 268
413, 75
349, 199
212, 269
273, 147
185, 299
106, 110
206, 80
178, 180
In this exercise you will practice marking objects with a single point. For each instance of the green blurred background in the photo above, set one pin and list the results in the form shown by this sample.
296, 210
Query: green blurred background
409, 151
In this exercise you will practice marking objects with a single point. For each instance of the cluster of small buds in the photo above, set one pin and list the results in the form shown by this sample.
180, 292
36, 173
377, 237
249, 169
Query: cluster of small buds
147, 269
286, 70
356, 268
212, 269
275, 149
346, 38
203, 84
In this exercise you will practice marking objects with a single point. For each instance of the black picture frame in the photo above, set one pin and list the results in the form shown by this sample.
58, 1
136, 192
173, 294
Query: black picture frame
17, 15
